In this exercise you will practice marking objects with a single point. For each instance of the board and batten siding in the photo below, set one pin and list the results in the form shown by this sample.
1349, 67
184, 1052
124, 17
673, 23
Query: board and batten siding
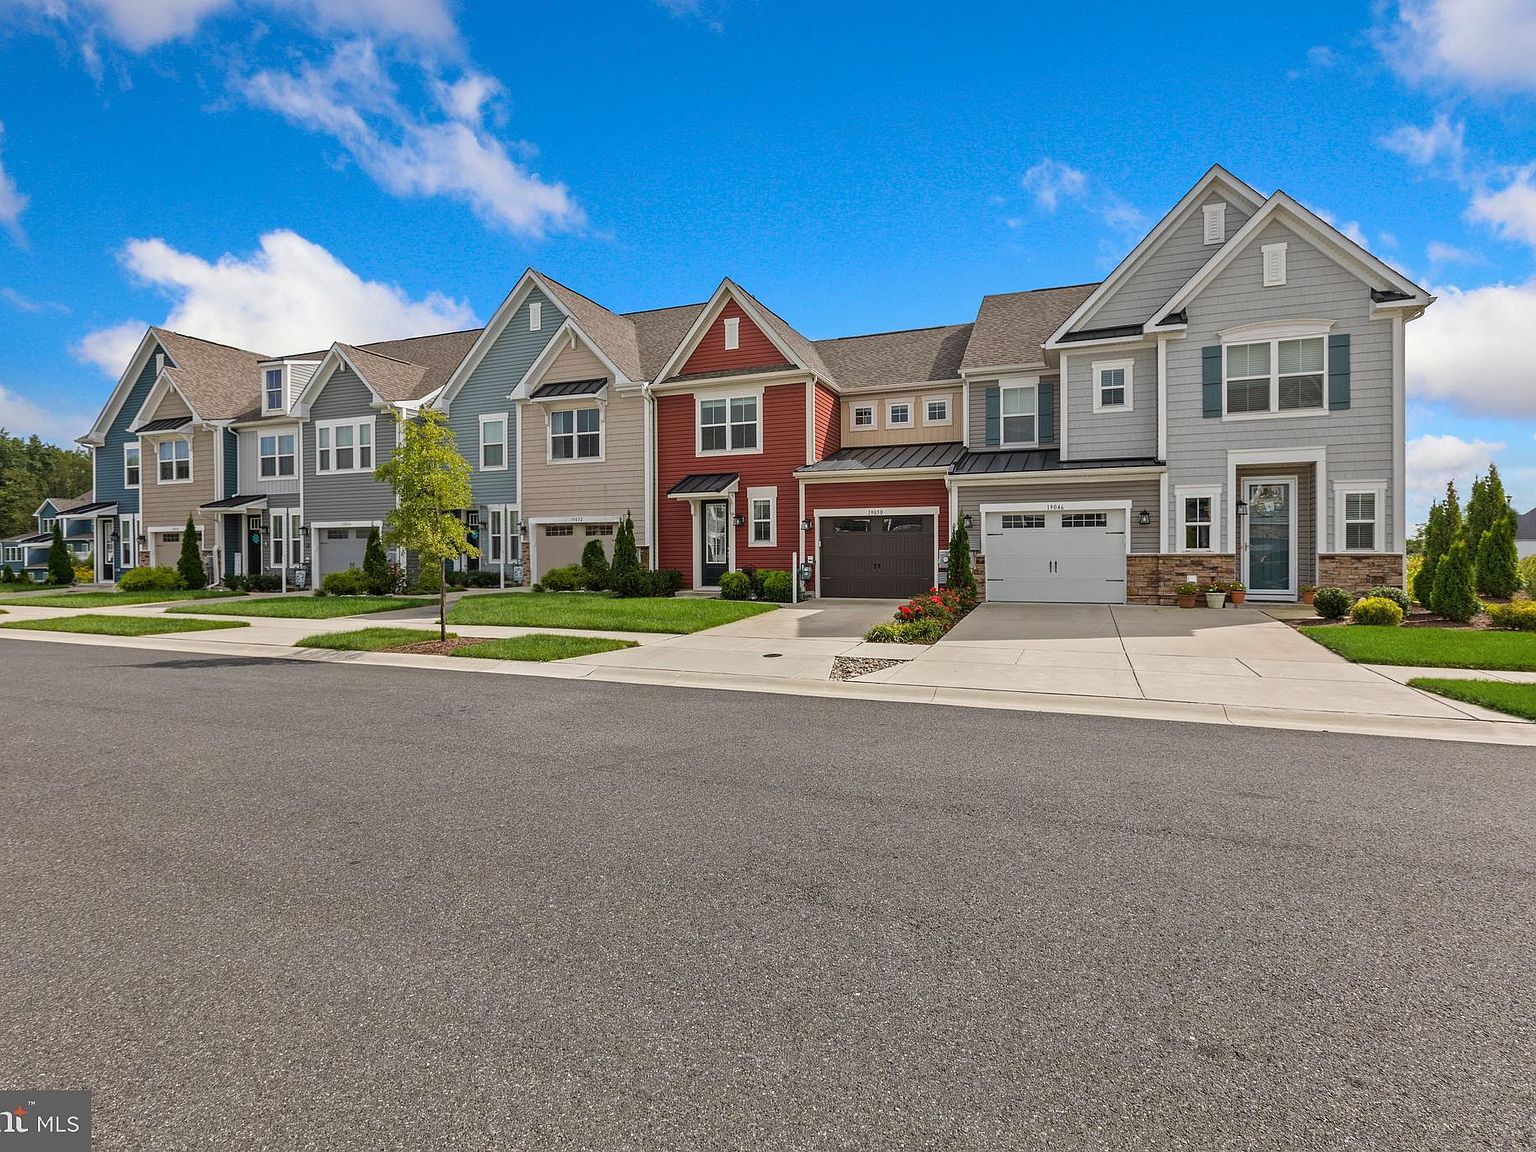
1112, 433
916, 432
251, 479
978, 414
1141, 491
486, 390
329, 498
1180, 255
108, 470
1359, 441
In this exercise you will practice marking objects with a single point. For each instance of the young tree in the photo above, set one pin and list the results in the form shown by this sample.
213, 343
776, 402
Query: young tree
431, 482
1455, 594
958, 573
624, 570
1485, 507
595, 561
61, 565
1441, 530
376, 565
1498, 560
189, 565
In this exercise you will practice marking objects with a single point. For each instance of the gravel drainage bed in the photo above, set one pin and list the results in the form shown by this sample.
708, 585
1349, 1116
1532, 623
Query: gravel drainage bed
852, 667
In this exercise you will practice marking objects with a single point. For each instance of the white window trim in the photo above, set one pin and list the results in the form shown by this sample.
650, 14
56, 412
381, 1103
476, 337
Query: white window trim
874, 418
1002, 421
282, 387
770, 494
277, 539
191, 468
506, 440
1340, 530
1214, 223
1098, 390
535, 315
699, 400
1274, 271
896, 401
949, 410
134, 446
576, 434
277, 435
1180, 494
732, 331
1275, 411
371, 423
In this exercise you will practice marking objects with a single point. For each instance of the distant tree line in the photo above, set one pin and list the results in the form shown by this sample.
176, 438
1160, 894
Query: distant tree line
31, 471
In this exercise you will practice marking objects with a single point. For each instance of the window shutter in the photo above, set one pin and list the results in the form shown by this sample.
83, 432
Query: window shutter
1047, 414
994, 416
1210, 379
1338, 371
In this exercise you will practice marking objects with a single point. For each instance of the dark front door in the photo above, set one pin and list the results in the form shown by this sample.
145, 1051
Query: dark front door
714, 541
105, 548
884, 557
253, 539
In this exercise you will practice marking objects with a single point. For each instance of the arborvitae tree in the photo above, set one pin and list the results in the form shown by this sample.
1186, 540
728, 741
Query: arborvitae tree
624, 569
189, 565
61, 565
376, 565
958, 574
1440, 531
1498, 560
1455, 594
1485, 507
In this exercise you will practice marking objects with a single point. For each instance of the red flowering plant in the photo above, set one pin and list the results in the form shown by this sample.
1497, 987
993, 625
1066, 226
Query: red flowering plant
945, 605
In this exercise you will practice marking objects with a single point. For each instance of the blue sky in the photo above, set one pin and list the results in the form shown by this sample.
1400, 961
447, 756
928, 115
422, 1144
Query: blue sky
282, 173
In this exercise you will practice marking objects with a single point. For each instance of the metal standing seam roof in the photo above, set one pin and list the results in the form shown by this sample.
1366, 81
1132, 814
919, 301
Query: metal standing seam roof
92, 509
885, 457
704, 484
1037, 460
167, 424
568, 388
232, 503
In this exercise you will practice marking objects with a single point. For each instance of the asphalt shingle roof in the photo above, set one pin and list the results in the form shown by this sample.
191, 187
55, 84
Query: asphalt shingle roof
1525, 526
915, 356
1012, 327
217, 381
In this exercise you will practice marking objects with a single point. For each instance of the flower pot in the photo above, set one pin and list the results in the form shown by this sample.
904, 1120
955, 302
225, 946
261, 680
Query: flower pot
1187, 601
1237, 597
1215, 599
1308, 597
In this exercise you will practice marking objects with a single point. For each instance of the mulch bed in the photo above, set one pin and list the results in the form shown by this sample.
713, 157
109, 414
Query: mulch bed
438, 647
851, 667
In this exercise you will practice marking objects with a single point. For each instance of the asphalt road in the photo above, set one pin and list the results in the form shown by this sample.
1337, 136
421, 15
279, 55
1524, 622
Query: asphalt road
303, 906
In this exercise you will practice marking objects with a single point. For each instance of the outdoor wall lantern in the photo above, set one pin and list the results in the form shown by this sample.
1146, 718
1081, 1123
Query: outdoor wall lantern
805, 525
1242, 507
1144, 518
966, 520
738, 519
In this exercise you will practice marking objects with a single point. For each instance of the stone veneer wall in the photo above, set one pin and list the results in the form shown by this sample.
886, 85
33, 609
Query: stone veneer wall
1151, 579
1359, 571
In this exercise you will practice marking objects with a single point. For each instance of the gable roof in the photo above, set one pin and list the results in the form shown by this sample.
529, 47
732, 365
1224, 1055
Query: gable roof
216, 380
796, 349
913, 356
1525, 525
395, 371
612, 335
1012, 327
148, 344
63, 504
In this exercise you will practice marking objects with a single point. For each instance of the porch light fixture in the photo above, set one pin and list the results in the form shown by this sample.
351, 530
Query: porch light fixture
805, 525
967, 521
304, 532
1242, 506
1144, 518
738, 519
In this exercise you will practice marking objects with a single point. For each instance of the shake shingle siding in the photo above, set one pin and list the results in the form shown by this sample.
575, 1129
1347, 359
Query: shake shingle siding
1359, 441
331, 498
109, 457
1111, 432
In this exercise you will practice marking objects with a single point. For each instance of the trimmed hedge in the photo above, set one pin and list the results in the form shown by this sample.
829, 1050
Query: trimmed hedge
1396, 595
735, 586
1333, 603
1516, 616
1377, 611
352, 582
156, 579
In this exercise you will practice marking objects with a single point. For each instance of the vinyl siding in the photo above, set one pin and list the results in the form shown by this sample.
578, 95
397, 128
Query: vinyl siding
352, 495
608, 487
250, 461
108, 472
1182, 253
1140, 491
171, 404
710, 354
1358, 441
230, 455
576, 362
167, 505
917, 433
828, 435
978, 413
505, 362
1110, 434
878, 494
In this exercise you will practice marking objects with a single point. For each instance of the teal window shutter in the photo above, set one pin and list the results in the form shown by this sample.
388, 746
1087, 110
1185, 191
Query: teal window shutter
1210, 379
994, 416
1047, 414
1338, 371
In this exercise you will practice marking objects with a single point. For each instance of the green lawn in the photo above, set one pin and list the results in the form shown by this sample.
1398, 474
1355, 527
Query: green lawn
541, 646
1430, 647
121, 625
369, 639
1516, 699
590, 610
115, 599
306, 607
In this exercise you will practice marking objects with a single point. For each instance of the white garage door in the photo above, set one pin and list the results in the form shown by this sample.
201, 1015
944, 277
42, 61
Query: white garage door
1075, 557
340, 549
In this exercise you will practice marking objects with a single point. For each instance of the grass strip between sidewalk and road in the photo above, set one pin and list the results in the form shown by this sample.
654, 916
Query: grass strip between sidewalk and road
121, 625
1501, 696
542, 647
578, 610
1430, 647
370, 639
307, 607
115, 599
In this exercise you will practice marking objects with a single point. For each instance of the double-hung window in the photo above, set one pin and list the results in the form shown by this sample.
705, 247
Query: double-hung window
1359, 516
131, 458
272, 394
575, 434
344, 446
493, 442
1112, 385
763, 505
1276, 376
279, 534
175, 461
936, 410
729, 424
1197, 523
276, 455
1018, 414
496, 522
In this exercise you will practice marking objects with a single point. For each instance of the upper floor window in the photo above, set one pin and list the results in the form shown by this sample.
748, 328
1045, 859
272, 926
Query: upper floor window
732, 333
729, 425
48, 522
277, 455
1018, 407
131, 458
898, 414
863, 416
535, 316
493, 442
575, 434
175, 461
936, 410
1276, 376
1112, 384
272, 397
344, 446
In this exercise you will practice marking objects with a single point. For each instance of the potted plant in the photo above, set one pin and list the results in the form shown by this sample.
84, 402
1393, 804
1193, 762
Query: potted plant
1215, 595
1237, 592
1186, 593
1308, 593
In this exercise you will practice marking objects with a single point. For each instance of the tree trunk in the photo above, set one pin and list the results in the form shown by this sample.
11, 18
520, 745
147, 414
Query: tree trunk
442, 602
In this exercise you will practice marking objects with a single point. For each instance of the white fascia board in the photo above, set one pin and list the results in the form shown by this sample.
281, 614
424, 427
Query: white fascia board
566, 334
727, 290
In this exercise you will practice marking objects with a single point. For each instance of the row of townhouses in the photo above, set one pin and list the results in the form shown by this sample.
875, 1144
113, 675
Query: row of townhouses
1228, 403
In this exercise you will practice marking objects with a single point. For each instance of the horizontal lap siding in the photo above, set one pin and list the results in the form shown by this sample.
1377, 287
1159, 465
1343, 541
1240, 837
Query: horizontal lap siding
878, 494
711, 355
331, 498
916, 433
250, 461
828, 424
166, 505
109, 478
609, 487
1111, 433
1141, 492
978, 413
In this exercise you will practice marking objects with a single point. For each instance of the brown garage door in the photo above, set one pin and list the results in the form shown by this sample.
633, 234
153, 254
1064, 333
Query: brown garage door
876, 556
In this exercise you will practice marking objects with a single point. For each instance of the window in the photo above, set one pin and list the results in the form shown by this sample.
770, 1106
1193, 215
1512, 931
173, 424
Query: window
936, 410
762, 524
559, 530
278, 535
1018, 412
170, 537
131, 458
535, 316
493, 443
1215, 223
1013, 520
1276, 376
599, 529
295, 539
863, 415
1359, 515
728, 425
127, 540
732, 333
175, 461
277, 457
1197, 523
1274, 265
338, 534
575, 434
1112, 384
898, 414
344, 446
48, 522
272, 396
496, 521
1085, 519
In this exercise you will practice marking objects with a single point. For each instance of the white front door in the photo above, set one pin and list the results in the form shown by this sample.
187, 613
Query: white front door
1269, 544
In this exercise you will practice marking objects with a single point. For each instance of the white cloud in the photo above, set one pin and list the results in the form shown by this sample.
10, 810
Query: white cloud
290, 295
1050, 182
353, 99
1440, 144
1470, 348
1483, 45
22, 417
1432, 461
1511, 211
12, 203
1351, 228
1439, 253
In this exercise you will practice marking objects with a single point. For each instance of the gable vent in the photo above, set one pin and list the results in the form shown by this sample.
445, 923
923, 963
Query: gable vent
1274, 265
1215, 223
732, 333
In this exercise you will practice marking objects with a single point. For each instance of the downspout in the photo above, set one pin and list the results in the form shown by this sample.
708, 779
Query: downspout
649, 487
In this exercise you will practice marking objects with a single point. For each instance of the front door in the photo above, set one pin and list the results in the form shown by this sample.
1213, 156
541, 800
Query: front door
1269, 553
253, 538
715, 541
105, 548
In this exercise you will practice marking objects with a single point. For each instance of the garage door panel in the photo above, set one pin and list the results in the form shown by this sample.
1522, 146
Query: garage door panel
342, 548
885, 557
1056, 557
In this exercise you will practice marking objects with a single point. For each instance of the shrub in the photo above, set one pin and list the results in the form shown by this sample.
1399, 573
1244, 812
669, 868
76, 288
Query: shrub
1527, 569
958, 574
943, 605
1517, 615
1333, 603
7, 576
375, 565
352, 582
662, 582
1440, 532
1186, 589
1498, 572
929, 631
235, 583
624, 571
398, 581
263, 582
1396, 595
595, 561
85, 570
777, 587
1455, 596
571, 578
1486, 506
61, 565
1377, 611
157, 579
735, 586
1411, 572
190, 562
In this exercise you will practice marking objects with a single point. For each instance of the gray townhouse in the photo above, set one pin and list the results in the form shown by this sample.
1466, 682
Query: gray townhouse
27, 554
